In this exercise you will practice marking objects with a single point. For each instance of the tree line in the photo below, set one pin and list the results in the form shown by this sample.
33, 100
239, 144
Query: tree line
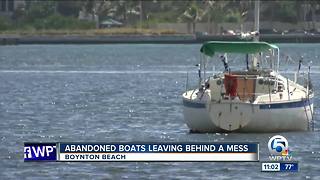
39, 14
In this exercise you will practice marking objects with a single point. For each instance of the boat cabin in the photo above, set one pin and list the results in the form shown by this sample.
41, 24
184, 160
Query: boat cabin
243, 85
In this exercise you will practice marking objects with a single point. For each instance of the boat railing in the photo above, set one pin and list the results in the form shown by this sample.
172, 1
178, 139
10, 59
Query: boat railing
302, 79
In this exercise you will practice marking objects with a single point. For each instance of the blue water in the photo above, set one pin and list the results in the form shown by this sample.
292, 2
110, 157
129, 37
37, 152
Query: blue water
111, 93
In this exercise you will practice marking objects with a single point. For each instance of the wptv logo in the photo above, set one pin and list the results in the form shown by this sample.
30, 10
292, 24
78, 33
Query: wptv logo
40, 152
279, 149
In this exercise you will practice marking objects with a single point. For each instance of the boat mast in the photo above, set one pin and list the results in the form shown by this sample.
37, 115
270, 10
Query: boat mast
256, 19
256, 29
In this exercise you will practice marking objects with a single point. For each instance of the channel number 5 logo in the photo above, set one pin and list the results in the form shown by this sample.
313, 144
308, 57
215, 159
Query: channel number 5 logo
278, 145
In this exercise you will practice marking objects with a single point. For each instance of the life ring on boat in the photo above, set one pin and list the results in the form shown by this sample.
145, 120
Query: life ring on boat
219, 82
272, 82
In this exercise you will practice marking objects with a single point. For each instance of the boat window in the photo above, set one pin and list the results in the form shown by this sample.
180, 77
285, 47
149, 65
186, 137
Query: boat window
281, 87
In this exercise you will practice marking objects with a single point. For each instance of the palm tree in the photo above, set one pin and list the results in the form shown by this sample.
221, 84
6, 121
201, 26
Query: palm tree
121, 11
313, 5
214, 12
100, 9
192, 15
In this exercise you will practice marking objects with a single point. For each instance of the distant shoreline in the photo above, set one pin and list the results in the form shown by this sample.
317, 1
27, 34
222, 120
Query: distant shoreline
146, 39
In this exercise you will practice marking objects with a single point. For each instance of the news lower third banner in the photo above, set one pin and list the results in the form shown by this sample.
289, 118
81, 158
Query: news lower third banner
141, 152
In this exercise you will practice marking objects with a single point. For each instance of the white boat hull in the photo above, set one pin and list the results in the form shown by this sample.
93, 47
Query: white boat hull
198, 120
244, 117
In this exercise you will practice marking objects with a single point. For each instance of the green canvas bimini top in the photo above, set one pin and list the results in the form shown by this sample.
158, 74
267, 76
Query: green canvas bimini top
211, 47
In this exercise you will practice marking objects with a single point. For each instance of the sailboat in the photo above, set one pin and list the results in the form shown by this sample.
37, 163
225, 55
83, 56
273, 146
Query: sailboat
254, 99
